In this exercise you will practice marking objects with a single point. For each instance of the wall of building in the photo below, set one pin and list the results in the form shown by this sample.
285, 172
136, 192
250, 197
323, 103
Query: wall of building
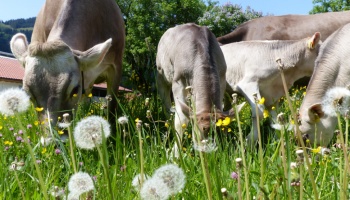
5, 85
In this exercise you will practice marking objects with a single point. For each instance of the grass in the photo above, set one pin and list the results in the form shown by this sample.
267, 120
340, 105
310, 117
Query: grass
156, 140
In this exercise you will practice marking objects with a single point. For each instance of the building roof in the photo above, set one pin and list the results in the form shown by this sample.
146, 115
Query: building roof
11, 70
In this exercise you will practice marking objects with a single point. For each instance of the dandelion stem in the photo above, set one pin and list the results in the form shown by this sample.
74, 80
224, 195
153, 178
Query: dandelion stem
343, 176
206, 174
261, 156
243, 154
285, 166
141, 158
72, 150
300, 139
19, 184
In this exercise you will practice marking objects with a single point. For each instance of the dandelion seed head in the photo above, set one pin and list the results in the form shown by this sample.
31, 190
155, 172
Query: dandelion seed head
73, 196
56, 191
88, 132
173, 176
154, 189
13, 101
80, 183
336, 100
137, 180
206, 146
123, 120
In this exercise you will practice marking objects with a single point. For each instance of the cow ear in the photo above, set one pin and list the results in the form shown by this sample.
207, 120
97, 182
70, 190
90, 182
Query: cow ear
19, 46
314, 40
315, 112
93, 56
185, 108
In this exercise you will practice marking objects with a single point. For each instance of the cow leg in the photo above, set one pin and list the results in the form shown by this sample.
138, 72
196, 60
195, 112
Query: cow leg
164, 90
113, 81
248, 89
180, 116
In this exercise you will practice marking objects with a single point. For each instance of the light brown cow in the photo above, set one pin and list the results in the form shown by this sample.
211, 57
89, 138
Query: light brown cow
252, 69
189, 55
75, 43
287, 27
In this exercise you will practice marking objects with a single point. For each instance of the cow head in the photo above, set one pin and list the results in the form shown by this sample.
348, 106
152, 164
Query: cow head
53, 72
316, 125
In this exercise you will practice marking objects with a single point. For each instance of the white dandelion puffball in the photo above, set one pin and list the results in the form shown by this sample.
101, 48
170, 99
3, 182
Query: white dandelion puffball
206, 146
154, 189
73, 196
336, 100
13, 100
123, 120
88, 132
137, 180
80, 183
173, 176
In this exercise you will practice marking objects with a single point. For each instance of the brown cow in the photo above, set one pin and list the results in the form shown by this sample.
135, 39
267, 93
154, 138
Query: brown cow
287, 27
75, 43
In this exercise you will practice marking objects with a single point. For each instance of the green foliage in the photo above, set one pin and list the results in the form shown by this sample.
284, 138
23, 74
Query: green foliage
146, 21
223, 19
321, 6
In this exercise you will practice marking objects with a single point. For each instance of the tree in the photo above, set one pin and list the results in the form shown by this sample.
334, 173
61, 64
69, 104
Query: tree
321, 6
224, 19
146, 21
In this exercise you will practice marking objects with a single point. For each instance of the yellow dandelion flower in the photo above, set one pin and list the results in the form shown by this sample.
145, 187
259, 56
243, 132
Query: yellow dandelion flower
219, 123
43, 122
1, 127
166, 125
223, 129
307, 141
43, 151
304, 93
273, 108
36, 123
183, 126
90, 95
261, 101
39, 109
266, 114
226, 121
60, 132
317, 150
189, 136
75, 95
184, 149
137, 120
229, 130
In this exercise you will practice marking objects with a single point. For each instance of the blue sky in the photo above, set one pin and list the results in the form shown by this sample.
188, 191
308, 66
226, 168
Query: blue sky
14, 9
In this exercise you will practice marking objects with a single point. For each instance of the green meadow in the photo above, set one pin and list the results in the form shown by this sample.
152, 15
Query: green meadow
230, 169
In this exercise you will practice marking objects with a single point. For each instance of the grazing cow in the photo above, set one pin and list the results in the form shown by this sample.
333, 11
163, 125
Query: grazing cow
287, 27
75, 43
252, 68
189, 55
332, 69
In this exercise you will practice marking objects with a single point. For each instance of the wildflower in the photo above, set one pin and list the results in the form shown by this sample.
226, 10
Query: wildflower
11, 129
148, 114
261, 101
136, 181
36, 123
90, 95
123, 120
43, 151
88, 132
81, 164
60, 132
266, 114
57, 151
39, 109
226, 121
38, 161
218, 123
336, 100
234, 175
73, 196
325, 151
9, 143
317, 150
80, 183
154, 189
206, 146
13, 101
183, 126
29, 126
108, 97
146, 101
166, 124
173, 176
75, 95
239, 162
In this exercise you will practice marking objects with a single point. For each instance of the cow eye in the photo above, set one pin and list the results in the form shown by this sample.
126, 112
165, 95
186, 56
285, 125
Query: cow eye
75, 91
